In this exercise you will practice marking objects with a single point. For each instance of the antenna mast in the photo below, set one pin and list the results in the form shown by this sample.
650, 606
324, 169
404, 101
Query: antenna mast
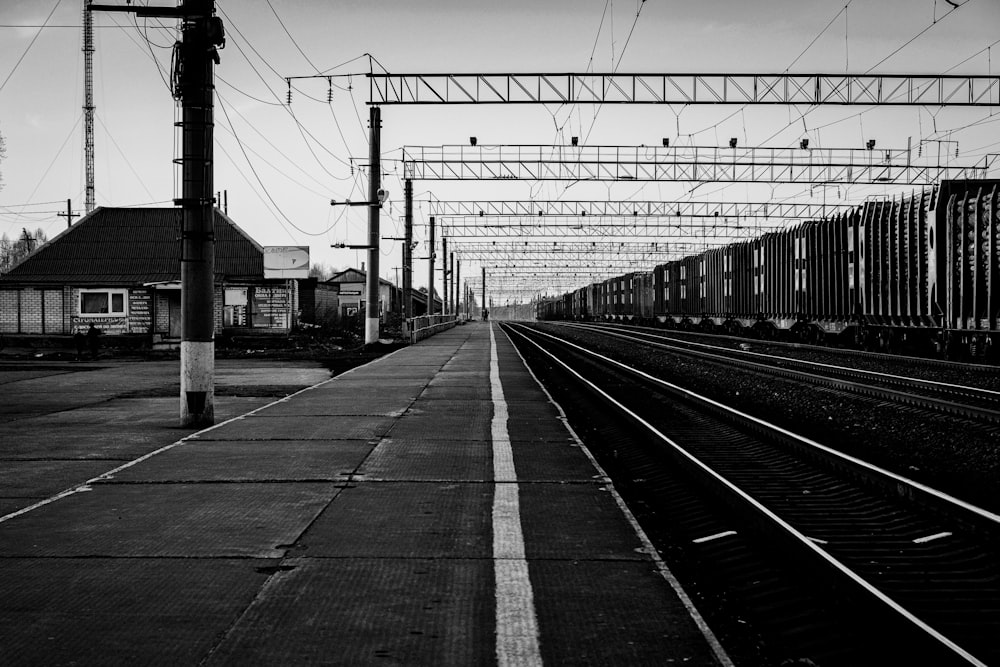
88, 104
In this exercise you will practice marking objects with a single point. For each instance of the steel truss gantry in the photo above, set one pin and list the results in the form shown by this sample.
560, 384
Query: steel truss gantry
648, 209
660, 229
576, 254
678, 163
602, 88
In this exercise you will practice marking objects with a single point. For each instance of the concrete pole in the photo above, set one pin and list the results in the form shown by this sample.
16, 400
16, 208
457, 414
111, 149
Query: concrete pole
430, 271
453, 292
445, 309
373, 303
197, 407
458, 281
408, 250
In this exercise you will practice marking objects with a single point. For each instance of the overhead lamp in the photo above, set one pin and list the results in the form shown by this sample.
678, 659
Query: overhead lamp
870, 145
575, 141
666, 142
732, 142
804, 144
472, 141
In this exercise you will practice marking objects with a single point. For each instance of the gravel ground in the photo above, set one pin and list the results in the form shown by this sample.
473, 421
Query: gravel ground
956, 456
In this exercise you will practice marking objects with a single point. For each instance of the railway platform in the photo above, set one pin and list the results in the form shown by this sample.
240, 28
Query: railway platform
429, 508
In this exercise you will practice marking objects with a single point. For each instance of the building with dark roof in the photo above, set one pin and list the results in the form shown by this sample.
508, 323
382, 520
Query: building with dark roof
119, 269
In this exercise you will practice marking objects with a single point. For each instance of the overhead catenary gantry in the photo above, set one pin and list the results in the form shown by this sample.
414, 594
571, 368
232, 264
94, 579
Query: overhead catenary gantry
576, 254
603, 88
708, 230
625, 208
652, 220
772, 165
679, 164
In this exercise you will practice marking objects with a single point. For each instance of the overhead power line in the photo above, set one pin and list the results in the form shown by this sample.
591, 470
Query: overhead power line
30, 44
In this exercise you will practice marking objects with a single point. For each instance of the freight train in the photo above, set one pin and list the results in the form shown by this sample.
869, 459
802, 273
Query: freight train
918, 273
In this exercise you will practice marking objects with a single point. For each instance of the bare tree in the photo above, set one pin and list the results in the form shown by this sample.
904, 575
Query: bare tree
12, 252
322, 270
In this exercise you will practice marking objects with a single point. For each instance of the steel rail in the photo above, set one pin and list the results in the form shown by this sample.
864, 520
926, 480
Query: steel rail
904, 488
979, 413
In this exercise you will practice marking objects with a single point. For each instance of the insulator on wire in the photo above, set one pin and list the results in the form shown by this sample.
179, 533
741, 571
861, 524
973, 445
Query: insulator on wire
329, 90
289, 82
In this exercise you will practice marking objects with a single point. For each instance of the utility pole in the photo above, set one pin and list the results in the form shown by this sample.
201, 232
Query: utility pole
430, 271
444, 275
69, 214
484, 293
458, 281
28, 240
88, 104
374, 210
202, 35
452, 290
408, 250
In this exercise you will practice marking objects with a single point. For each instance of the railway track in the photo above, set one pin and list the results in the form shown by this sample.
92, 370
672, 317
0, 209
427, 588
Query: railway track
911, 571
974, 403
812, 349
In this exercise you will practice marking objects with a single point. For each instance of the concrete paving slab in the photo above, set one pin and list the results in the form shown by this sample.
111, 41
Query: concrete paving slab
404, 520
176, 520
124, 611
448, 392
428, 460
460, 380
47, 478
30, 371
476, 411
409, 358
252, 461
377, 374
371, 382
122, 430
261, 426
377, 611
342, 404
635, 619
575, 521
441, 426
8, 505
561, 462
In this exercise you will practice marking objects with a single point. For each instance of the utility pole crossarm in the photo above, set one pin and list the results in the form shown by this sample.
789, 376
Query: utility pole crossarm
714, 88
152, 12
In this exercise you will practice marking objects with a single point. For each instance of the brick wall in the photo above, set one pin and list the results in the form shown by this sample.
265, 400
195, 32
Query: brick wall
9, 315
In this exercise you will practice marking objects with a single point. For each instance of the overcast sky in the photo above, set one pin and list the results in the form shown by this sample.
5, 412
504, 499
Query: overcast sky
281, 164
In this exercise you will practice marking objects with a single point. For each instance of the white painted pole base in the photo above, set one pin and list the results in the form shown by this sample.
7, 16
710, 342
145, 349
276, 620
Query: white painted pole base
371, 330
197, 383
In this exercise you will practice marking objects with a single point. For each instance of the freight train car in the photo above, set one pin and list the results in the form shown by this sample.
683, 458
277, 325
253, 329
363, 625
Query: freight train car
918, 272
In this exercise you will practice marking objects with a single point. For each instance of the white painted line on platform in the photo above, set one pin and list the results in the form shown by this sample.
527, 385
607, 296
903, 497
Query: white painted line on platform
711, 538
517, 625
931, 538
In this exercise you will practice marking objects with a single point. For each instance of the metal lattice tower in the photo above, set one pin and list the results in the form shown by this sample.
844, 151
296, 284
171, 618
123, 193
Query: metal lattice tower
88, 102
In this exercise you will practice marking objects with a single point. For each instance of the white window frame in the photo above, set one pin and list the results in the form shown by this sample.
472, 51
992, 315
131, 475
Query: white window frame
110, 291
